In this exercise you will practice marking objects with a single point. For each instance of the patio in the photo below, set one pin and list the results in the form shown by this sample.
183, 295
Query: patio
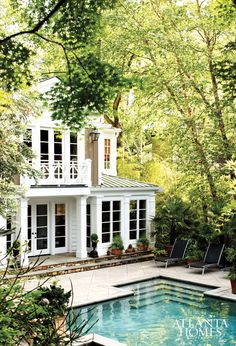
99, 285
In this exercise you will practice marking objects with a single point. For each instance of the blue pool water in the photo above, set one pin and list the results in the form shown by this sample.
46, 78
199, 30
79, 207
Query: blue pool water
165, 313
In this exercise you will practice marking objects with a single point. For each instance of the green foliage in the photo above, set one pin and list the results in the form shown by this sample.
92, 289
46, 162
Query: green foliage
14, 154
117, 243
173, 219
87, 89
143, 241
94, 238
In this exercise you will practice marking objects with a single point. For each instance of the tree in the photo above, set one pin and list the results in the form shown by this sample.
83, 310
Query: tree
175, 48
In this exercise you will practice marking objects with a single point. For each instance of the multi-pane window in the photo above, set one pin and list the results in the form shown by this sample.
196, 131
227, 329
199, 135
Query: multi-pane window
57, 146
73, 146
107, 153
73, 155
137, 222
110, 220
88, 213
44, 146
58, 171
60, 225
9, 236
42, 226
29, 227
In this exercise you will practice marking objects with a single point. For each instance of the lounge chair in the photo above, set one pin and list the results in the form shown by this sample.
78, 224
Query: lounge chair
211, 259
177, 253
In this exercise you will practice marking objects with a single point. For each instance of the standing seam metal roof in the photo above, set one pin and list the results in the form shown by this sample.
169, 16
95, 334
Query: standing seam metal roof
109, 181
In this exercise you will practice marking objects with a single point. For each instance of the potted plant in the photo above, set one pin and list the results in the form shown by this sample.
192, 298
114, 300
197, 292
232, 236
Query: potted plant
117, 245
159, 252
142, 243
94, 240
130, 249
231, 257
193, 253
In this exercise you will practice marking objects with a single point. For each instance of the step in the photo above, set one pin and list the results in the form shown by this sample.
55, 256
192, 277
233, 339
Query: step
147, 296
43, 266
65, 269
159, 298
166, 286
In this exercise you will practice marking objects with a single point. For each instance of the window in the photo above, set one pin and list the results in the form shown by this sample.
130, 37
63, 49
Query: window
57, 146
60, 225
9, 236
107, 153
58, 171
28, 138
110, 220
73, 146
44, 156
42, 226
88, 212
29, 227
137, 219
73, 156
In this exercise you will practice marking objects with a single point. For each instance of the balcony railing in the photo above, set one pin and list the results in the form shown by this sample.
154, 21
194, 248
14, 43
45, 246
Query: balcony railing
60, 173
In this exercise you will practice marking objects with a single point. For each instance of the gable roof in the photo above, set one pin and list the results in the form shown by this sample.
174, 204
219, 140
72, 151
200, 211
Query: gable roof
118, 183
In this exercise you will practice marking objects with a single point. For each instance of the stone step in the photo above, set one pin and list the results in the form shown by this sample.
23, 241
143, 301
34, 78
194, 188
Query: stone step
44, 271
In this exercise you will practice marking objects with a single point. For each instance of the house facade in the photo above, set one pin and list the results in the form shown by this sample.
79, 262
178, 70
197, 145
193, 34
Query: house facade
78, 192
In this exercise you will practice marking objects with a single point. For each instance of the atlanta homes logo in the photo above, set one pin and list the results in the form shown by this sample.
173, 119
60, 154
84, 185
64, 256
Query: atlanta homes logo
201, 328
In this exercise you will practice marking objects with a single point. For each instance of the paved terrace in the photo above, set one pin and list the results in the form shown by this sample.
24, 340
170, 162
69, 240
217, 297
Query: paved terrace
99, 285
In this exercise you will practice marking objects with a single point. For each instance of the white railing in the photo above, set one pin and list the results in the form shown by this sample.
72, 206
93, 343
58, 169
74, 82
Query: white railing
60, 173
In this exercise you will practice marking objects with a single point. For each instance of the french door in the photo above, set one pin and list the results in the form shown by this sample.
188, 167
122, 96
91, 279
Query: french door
38, 235
41, 219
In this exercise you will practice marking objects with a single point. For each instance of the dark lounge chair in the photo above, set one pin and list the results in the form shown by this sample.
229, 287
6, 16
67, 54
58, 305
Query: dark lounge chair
177, 253
211, 259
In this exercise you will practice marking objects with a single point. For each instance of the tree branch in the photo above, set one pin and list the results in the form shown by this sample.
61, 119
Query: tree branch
37, 26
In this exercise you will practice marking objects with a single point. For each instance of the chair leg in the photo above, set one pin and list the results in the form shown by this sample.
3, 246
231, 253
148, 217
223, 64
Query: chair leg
166, 264
203, 270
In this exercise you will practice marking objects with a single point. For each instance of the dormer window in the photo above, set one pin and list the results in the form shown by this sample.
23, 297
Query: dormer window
107, 153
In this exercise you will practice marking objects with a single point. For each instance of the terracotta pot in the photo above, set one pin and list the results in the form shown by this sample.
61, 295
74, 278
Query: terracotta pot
168, 249
142, 247
116, 252
233, 286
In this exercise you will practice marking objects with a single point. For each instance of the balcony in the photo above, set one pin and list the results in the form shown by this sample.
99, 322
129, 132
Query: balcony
59, 173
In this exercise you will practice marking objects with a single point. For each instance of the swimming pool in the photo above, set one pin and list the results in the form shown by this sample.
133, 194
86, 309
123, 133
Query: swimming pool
166, 313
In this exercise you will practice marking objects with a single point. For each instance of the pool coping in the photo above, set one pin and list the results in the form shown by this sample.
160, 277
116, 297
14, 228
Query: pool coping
215, 292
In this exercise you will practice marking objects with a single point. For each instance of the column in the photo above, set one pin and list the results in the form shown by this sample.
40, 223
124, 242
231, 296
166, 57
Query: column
125, 226
22, 230
151, 209
3, 245
96, 222
81, 248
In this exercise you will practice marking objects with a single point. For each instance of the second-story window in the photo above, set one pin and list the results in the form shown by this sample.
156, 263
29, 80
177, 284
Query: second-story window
58, 169
57, 146
44, 154
107, 153
73, 146
28, 139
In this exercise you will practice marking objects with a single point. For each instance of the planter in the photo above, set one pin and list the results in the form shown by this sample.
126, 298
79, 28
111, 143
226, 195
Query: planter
233, 286
116, 252
142, 247
93, 253
168, 249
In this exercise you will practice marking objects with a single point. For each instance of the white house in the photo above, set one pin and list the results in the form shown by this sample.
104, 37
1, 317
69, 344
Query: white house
79, 192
